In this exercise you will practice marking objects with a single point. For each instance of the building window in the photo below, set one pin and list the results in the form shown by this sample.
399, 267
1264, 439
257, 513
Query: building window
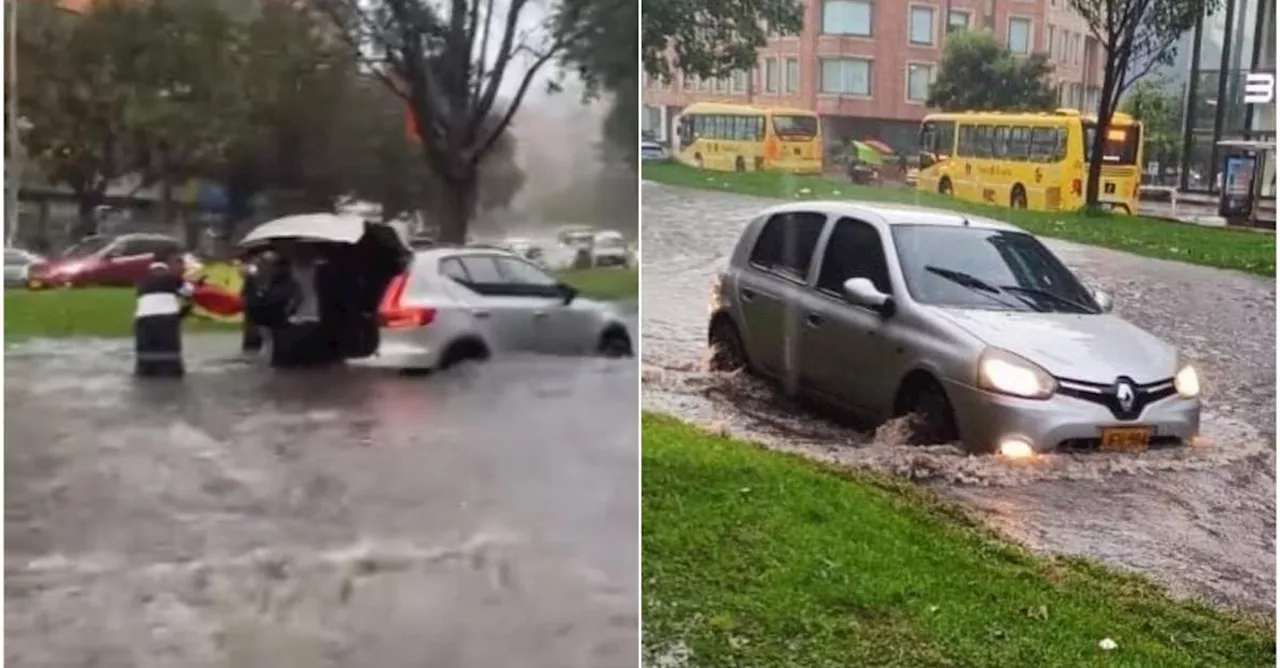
846, 76
791, 76
918, 79
921, 25
1049, 40
957, 21
688, 81
1019, 37
847, 17
739, 82
771, 75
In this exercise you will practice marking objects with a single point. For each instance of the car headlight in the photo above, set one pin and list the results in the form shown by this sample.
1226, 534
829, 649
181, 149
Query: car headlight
1187, 382
1004, 372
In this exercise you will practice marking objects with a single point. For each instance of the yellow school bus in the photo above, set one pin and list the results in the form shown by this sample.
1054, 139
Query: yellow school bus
1037, 161
741, 138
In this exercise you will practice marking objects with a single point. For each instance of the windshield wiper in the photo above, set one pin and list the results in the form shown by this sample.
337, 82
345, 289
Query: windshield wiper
1037, 292
976, 284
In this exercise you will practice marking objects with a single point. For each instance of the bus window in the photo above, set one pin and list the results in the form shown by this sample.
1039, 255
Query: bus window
795, 127
1048, 144
1121, 147
1019, 145
945, 142
928, 142
686, 130
965, 146
999, 141
982, 141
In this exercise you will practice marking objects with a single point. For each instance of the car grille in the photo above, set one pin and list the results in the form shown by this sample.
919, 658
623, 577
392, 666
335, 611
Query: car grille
1108, 394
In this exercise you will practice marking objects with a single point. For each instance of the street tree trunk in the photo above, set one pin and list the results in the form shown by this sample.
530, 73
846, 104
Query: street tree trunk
1106, 107
86, 219
457, 207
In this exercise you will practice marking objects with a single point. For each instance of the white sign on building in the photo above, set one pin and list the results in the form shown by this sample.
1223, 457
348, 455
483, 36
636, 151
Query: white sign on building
1259, 88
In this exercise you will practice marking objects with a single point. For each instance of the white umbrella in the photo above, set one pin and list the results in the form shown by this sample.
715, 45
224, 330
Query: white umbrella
329, 227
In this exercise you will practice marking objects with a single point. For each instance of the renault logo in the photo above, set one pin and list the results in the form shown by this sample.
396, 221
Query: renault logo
1125, 395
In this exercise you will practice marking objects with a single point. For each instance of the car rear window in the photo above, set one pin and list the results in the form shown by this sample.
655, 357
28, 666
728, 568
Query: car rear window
787, 242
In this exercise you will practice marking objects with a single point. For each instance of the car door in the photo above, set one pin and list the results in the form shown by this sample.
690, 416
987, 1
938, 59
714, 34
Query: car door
846, 350
508, 317
767, 291
562, 329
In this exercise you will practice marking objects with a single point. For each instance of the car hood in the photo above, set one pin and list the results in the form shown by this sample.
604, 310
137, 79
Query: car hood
1091, 348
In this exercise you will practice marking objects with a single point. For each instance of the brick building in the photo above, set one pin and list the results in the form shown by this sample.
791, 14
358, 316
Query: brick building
865, 65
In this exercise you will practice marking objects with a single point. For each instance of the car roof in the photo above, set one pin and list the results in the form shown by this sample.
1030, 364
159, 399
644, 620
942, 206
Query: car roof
893, 214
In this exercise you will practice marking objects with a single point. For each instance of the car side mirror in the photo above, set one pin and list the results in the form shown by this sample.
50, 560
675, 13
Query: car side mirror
567, 292
1104, 301
862, 292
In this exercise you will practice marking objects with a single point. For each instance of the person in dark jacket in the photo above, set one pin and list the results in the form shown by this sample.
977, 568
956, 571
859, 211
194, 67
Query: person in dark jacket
157, 319
256, 274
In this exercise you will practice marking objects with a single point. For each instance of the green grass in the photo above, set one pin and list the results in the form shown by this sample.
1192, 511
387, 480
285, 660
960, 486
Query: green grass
87, 312
605, 283
108, 312
1241, 250
753, 558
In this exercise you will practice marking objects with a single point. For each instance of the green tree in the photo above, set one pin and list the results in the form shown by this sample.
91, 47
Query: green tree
978, 73
604, 56
74, 111
449, 62
712, 38
1135, 36
1161, 114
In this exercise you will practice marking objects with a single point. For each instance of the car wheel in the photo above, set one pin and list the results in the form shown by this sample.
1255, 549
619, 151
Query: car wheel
944, 187
727, 352
930, 419
615, 344
466, 350
739, 165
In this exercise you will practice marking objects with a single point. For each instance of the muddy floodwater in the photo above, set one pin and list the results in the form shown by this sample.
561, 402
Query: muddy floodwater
1201, 520
345, 517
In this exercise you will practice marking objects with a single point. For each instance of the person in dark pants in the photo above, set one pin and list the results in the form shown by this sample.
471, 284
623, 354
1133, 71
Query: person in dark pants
256, 273
157, 319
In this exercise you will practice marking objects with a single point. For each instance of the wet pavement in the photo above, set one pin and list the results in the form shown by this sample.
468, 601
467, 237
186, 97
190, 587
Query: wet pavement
1201, 520
345, 517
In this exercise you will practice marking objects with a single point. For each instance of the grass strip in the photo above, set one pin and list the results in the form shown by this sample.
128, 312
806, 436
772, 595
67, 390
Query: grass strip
755, 558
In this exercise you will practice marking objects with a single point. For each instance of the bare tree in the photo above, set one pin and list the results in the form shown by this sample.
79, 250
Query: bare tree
449, 60
1135, 36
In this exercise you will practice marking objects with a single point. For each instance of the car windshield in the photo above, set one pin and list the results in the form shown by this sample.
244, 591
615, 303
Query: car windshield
610, 242
971, 267
87, 246
795, 127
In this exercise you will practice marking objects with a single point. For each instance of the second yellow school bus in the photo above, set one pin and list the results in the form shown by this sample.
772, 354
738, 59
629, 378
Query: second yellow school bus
1037, 161
742, 138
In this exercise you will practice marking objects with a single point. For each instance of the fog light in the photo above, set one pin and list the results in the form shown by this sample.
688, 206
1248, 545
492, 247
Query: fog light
1015, 448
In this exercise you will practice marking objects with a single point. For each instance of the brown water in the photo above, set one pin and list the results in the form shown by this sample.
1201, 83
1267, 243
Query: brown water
1201, 520
345, 517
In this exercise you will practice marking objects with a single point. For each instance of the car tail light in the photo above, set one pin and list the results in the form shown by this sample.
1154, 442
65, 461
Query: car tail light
1076, 187
392, 315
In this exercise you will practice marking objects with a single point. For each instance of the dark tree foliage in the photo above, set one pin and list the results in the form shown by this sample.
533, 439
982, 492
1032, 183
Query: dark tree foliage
712, 39
977, 73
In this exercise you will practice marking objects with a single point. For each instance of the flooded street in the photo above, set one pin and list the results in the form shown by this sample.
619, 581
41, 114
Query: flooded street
345, 517
1201, 520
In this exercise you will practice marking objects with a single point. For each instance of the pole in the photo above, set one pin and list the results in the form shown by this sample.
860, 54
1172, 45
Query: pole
13, 181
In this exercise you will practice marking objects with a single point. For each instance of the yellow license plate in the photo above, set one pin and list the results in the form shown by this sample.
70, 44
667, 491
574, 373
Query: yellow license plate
1125, 439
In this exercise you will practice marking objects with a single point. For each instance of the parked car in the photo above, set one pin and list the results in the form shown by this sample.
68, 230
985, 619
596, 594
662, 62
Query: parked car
104, 261
459, 303
17, 264
609, 249
970, 325
651, 151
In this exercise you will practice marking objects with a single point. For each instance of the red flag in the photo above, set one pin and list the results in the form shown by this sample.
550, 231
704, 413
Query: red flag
216, 300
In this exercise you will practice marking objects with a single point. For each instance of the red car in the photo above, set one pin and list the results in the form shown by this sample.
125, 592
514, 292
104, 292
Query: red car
102, 261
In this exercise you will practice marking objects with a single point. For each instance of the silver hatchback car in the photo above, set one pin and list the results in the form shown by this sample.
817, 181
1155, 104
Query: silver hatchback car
460, 303
971, 326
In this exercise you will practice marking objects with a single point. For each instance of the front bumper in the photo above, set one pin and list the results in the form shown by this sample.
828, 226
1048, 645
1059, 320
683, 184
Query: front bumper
985, 419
